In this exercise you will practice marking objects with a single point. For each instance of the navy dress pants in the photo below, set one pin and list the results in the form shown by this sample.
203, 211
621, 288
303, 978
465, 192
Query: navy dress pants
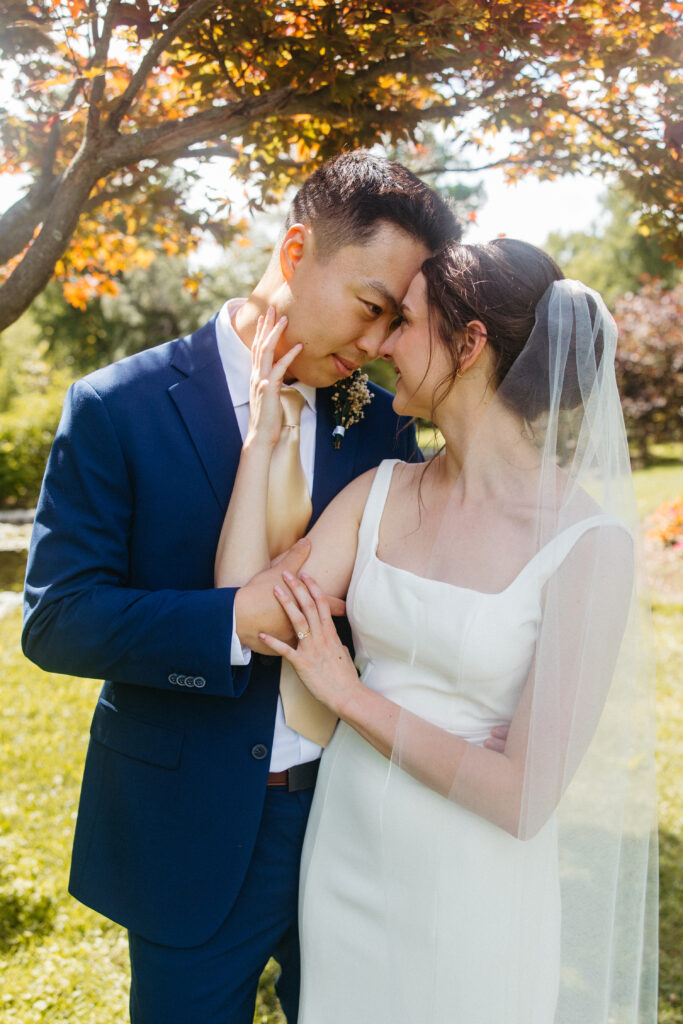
216, 983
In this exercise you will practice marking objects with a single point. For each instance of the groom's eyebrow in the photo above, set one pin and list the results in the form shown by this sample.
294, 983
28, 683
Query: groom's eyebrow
381, 289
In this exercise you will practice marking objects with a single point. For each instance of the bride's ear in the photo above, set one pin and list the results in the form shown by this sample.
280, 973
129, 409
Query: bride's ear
474, 343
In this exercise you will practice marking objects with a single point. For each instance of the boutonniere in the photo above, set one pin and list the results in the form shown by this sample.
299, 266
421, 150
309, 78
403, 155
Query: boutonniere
349, 398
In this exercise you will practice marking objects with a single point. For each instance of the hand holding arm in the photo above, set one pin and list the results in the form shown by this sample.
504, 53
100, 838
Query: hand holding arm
329, 551
559, 708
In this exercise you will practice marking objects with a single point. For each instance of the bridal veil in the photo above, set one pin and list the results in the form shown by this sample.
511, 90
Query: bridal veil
573, 894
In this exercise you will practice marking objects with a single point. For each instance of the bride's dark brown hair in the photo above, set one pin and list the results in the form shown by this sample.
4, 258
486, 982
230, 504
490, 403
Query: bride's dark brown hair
500, 283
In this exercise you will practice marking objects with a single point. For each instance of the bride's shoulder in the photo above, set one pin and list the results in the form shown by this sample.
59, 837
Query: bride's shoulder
354, 496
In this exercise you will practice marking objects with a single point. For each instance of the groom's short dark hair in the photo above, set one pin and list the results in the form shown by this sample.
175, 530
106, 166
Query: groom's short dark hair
345, 200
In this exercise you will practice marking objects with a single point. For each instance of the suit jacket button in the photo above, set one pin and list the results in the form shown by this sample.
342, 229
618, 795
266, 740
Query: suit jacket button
199, 681
259, 751
173, 678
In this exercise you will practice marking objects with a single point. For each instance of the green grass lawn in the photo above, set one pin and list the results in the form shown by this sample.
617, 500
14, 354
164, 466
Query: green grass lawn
661, 481
61, 962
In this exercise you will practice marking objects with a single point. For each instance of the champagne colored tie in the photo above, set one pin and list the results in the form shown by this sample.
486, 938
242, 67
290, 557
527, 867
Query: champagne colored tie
289, 503
288, 512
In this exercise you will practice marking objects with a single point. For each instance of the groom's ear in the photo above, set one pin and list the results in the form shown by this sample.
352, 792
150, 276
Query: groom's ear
292, 249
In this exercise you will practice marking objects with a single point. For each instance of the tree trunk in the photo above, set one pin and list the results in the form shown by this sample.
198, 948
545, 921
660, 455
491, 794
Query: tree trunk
32, 275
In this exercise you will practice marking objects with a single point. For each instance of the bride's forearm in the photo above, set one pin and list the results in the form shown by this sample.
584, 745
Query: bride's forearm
243, 548
483, 781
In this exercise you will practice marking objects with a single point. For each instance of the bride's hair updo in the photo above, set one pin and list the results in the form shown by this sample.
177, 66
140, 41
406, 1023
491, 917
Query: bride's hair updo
500, 283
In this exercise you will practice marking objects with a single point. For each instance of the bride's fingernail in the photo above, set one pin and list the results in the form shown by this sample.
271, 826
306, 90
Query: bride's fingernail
287, 575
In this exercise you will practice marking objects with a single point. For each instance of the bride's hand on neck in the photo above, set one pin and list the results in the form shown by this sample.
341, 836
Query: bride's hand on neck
267, 376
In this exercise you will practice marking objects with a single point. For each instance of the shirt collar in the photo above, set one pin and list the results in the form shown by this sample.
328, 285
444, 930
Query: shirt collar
236, 358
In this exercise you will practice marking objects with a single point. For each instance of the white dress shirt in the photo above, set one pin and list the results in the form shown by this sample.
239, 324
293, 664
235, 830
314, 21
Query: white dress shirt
289, 747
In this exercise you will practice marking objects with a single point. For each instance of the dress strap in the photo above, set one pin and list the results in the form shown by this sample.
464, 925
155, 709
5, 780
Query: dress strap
368, 533
549, 558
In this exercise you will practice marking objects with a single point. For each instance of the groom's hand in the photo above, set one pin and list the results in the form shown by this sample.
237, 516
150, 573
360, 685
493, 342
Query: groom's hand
258, 611
497, 739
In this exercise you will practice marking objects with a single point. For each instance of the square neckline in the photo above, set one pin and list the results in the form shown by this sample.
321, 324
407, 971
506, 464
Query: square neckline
600, 519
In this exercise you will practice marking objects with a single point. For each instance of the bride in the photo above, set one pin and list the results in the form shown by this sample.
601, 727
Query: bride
442, 880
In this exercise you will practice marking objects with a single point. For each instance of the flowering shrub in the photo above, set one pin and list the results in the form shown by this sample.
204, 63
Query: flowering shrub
667, 523
649, 364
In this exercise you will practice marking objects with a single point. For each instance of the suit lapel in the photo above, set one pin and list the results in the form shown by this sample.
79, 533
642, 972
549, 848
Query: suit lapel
333, 468
203, 401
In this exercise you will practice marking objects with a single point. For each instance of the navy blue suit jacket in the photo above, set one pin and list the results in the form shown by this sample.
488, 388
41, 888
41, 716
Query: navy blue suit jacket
120, 586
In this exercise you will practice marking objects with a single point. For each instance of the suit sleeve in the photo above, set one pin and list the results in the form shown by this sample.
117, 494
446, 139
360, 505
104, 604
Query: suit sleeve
81, 615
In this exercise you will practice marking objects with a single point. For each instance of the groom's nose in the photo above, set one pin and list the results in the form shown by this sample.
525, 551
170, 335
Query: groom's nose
372, 339
386, 349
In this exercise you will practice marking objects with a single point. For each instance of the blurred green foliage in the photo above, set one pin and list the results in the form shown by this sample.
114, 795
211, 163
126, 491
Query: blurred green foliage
54, 343
613, 256
31, 396
152, 306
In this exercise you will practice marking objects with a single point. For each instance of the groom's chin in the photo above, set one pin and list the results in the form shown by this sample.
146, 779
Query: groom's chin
321, 379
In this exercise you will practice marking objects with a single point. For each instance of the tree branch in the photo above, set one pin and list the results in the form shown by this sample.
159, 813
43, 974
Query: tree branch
193, 11
21, 219
171, 137
37, 266
19, 222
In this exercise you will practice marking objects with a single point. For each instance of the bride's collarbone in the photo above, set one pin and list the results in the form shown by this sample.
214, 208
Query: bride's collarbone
480, 547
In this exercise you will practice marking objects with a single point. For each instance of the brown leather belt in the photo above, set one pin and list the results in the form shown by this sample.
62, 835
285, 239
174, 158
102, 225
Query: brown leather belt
300, 776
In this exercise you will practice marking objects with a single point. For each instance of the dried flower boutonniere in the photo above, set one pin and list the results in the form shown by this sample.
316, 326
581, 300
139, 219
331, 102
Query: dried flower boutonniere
349, 398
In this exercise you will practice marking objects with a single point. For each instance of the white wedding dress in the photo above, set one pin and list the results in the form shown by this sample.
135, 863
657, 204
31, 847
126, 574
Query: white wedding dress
412, 909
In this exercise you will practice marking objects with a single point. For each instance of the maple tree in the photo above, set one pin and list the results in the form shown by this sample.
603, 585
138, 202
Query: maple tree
111, 98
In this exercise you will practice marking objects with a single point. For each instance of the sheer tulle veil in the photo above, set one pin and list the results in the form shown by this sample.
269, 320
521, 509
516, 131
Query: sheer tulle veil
571, 935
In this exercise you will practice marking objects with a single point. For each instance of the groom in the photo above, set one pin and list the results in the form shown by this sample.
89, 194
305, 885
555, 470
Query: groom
196, 792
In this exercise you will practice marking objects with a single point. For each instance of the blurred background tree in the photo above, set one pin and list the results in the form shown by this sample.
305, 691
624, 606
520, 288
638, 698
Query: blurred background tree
649, 365
617, 254
644, 289
111, 99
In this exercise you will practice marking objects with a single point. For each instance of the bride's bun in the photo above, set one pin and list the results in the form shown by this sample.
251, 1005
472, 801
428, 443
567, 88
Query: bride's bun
506, 284
529, 385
